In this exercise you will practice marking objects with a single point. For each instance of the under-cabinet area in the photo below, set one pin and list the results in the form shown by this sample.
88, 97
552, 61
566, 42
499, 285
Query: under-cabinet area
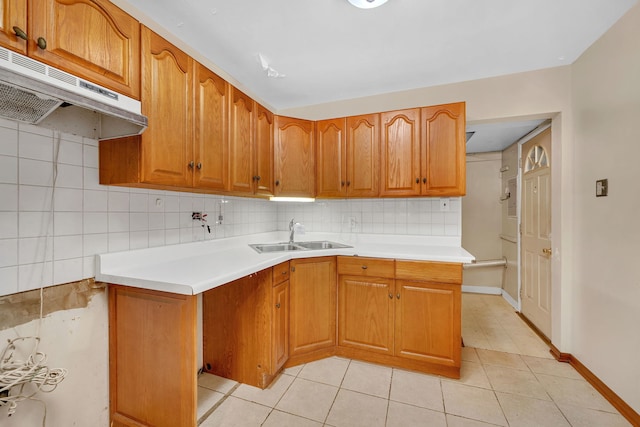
399, 313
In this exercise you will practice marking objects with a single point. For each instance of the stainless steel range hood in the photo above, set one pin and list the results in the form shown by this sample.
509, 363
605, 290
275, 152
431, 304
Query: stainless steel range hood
36, 93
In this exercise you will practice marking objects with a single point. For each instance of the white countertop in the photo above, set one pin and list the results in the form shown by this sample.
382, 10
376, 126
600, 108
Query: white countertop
192, 268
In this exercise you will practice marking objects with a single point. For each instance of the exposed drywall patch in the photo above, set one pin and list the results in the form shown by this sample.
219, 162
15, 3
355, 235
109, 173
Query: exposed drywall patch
24, 307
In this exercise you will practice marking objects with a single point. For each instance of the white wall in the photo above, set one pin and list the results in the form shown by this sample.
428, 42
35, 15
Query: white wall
606, 99
482, 218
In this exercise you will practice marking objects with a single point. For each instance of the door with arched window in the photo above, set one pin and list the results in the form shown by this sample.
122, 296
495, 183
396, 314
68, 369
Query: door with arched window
535, 291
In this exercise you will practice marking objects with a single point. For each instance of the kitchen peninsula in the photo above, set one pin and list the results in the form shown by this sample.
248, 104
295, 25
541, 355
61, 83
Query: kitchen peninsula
221, 306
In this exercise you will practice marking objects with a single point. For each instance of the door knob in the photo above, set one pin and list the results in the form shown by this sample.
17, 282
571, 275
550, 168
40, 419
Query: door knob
546, 251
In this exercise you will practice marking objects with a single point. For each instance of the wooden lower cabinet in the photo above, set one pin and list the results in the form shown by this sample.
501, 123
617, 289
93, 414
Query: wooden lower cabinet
152, 358
312, 309
401, 313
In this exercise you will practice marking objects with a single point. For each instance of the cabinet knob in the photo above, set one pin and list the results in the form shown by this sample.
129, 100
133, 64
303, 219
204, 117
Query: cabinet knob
390, 296
42, 43
342, 183
284, 272
277, 182
424, 180
19, 33
398, 296
348, 183
199, 165
364, 267
293, 269
191, 163
417, 180
257, 177
278, 305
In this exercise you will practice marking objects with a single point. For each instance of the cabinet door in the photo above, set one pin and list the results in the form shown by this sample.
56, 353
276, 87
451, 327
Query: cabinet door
400, 153
236, 328
365, 313
93, 39
152, 332
331, 158
13, 13
280, 324
428, 322
294, 158
211, 150
167, 100
264, 151
241, 142
313, 305
363, 155
443, 139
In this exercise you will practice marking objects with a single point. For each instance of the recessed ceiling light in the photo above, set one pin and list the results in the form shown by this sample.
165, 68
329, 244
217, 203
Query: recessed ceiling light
367, 4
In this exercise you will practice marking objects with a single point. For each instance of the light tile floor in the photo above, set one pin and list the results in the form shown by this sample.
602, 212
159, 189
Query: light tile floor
508, 378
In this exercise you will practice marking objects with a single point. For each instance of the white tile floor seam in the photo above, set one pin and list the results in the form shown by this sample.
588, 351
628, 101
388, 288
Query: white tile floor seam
523, 388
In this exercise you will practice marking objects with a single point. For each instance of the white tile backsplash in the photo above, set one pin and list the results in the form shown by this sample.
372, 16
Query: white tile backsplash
90, 218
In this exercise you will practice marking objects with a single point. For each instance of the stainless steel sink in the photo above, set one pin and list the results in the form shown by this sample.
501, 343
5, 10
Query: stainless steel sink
276, 247
322, 244
297, 246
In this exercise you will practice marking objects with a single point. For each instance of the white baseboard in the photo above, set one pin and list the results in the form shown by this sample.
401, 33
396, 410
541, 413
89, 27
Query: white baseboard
510, 300
488, 290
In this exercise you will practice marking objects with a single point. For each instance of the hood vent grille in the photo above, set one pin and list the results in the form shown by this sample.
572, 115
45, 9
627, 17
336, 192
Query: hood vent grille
33, 92
25, 106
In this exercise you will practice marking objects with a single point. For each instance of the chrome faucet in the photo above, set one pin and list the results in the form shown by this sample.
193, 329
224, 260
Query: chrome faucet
292, 229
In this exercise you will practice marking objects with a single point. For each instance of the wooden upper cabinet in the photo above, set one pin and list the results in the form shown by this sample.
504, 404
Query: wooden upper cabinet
400, 153
92, 39
211, 144
241, 165
363, 155
294, 157
167, 100
443, 139
264, 125
331, 158
13, 13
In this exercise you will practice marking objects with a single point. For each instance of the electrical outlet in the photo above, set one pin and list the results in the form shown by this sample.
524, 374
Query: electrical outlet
602, 187
444, 205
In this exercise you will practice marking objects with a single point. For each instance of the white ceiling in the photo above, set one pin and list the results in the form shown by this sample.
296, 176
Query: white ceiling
497, 136
329, 50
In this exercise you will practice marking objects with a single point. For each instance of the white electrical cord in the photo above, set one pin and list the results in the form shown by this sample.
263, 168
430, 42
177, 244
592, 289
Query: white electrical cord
31, 376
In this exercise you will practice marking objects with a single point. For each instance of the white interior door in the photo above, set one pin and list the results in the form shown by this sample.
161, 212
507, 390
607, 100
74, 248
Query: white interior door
535, 291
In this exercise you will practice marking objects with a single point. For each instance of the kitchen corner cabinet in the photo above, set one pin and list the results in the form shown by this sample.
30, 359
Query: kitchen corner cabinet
312, 308
347, 157
423, 151
152, 358
294, 168
92, 39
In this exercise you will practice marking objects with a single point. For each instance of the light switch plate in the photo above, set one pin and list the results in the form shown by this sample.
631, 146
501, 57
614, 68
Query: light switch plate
602, 187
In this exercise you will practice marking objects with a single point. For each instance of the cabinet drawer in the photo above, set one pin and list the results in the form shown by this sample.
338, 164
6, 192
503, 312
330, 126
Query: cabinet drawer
427, 271
361, 266
280, 273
